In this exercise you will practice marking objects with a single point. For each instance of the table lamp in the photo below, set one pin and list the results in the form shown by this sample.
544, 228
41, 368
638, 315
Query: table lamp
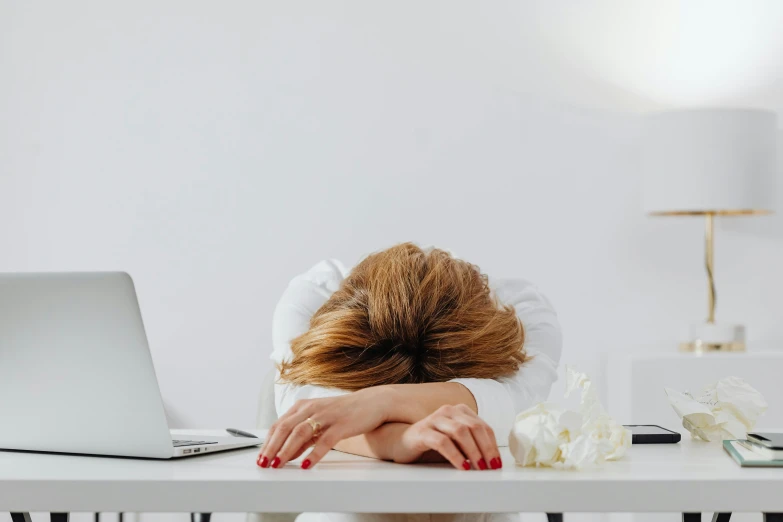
708, 163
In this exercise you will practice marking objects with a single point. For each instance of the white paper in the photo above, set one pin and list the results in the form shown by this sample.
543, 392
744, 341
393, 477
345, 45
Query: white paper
549, 435
727, 409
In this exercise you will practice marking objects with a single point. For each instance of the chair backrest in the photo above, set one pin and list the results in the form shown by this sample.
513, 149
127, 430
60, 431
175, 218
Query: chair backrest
267, 413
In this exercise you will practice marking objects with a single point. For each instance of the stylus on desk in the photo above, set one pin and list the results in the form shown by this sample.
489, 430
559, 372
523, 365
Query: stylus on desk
239, 433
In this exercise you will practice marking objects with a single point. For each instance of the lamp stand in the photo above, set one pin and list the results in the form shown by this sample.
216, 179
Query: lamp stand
709, 263
709, 336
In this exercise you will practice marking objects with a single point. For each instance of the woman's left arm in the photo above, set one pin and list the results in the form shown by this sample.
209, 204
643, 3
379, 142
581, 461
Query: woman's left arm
499, 400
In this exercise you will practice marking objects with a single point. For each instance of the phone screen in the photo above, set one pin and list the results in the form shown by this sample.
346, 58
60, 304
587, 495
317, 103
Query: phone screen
648, 430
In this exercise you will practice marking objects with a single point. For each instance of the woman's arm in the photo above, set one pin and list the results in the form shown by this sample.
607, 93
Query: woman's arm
377, 444
410, 403
407, 404
356, 415
453, 434
383, 444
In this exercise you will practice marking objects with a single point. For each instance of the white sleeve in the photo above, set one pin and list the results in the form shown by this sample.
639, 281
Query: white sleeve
500, 400
305, 294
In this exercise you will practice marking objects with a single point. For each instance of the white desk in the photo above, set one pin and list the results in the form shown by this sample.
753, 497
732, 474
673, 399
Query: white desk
686, 477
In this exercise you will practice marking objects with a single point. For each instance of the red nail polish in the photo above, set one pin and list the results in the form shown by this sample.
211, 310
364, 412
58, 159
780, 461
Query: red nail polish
500, 461
466, 465
482, 464
306, 464
262, 461
495, 463
275, 462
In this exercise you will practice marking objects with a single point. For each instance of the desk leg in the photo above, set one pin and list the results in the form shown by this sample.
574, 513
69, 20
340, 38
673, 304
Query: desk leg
554, 517
200, 517
773, 517
721, 517
25, 517
691, 517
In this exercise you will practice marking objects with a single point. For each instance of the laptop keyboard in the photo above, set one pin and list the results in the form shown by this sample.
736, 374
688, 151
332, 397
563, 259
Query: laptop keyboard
180, 443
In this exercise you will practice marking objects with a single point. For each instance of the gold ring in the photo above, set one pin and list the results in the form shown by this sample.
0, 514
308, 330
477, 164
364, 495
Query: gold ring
316, 427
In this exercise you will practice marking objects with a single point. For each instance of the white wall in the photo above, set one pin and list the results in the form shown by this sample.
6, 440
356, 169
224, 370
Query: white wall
216, 149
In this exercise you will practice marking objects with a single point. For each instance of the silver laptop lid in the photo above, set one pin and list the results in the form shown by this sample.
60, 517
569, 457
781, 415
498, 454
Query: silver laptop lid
76, 373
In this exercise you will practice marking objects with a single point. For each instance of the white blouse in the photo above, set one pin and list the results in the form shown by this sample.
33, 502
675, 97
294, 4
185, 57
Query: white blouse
498, 400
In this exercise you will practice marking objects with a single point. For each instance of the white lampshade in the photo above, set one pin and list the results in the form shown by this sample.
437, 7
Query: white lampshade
720, 161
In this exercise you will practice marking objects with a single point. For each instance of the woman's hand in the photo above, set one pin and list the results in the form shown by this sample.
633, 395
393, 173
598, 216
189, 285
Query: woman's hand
337, 418
455, 432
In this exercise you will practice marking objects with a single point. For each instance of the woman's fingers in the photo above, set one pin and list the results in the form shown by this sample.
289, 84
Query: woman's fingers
460, 433
273, 444
484, 437
279, 434
299, 440
441, 443
323, 445
302, 449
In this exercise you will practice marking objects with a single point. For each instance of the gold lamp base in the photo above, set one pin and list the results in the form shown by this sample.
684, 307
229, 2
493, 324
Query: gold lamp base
702, 347
715, 337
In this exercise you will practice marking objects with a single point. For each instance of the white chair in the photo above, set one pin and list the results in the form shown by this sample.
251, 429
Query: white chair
267, 413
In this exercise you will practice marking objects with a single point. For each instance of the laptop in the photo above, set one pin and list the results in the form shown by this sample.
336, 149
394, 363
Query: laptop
76, 374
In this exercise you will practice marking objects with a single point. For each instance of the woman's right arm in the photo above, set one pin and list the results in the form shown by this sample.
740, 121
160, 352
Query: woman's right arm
453, 434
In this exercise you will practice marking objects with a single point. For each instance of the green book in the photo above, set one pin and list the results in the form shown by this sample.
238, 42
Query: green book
747, 458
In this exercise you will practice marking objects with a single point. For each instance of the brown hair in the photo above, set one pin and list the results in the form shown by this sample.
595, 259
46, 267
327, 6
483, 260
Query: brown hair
404, 315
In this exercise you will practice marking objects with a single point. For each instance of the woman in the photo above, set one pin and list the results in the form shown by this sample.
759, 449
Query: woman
413, 355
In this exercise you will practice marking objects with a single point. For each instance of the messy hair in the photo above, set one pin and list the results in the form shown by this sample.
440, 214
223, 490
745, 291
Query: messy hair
405, 315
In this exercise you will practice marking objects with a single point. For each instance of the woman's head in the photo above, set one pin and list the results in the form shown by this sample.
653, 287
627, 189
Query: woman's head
405, 315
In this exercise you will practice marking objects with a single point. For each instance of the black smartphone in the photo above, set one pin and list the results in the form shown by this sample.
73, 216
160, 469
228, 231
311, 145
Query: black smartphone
652, 434
769, 440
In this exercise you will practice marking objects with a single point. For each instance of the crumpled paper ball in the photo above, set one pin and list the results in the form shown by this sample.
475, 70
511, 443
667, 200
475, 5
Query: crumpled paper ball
727, 409
549, 435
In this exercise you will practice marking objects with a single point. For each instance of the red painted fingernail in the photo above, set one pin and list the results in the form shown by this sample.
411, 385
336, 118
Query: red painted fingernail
482, 464
275, 462
306, 464
501, 462
466, 465
495, 463
262, 461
